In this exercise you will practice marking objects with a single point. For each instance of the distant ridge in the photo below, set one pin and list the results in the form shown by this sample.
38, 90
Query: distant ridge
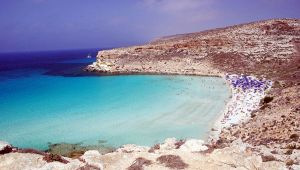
169, 37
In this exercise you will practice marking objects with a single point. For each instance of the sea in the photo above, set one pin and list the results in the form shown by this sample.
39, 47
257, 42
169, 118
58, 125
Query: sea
47, 98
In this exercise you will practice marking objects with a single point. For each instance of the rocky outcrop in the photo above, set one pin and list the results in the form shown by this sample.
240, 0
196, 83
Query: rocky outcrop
236, 156
92, 158
193, 145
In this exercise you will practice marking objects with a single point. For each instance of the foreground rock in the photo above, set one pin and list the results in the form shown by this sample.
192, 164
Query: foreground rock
188, 156
28, 159
237, 155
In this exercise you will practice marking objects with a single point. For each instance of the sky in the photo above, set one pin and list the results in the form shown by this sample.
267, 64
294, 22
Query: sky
38, 25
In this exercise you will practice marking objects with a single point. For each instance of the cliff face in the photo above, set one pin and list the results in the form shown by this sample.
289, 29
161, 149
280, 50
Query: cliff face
209, 52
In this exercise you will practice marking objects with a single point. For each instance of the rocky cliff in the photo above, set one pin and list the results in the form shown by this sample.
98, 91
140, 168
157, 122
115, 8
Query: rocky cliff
236, 48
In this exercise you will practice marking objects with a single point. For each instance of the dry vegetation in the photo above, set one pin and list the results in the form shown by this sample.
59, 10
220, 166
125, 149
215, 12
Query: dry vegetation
172, 161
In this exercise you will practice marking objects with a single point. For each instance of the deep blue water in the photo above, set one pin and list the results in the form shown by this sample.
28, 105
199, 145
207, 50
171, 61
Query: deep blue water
46, 97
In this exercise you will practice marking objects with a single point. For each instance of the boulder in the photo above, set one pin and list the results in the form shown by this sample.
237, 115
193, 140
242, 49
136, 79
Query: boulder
92, 158
24, 161
169, 144
193, 145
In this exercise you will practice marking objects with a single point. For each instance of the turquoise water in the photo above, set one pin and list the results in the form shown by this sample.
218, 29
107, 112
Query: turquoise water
36, 109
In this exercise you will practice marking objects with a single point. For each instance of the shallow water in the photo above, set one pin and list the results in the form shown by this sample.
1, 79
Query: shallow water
37, 108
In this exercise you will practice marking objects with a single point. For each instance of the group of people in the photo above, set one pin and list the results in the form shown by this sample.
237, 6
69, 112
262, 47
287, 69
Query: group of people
248, 82
247, 91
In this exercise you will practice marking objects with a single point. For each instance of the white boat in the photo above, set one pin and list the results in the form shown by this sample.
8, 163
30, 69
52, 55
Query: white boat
89, 56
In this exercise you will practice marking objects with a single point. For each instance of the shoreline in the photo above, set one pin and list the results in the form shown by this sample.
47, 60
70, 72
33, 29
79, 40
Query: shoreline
217, 124
224, 120
121, 73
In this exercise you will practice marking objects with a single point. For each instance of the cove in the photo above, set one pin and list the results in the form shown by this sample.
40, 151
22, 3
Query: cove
138, 109
37, 108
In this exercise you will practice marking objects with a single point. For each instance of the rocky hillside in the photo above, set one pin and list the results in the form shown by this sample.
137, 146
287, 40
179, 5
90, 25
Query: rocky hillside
241, 46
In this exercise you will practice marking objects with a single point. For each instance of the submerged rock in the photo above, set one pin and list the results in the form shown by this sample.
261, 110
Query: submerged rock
77, 150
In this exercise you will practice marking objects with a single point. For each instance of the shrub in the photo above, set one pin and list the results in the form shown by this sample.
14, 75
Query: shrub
267, 99
172, 161
268, 158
